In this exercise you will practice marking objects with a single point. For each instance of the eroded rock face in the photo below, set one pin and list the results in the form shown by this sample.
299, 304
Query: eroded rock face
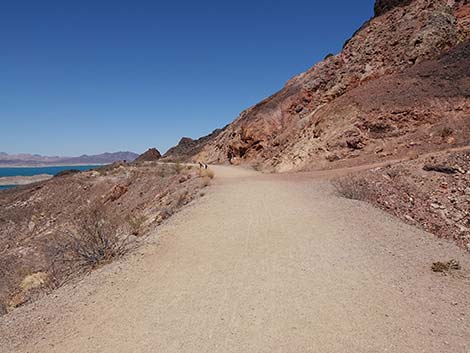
424, 108
290, 129
382, 6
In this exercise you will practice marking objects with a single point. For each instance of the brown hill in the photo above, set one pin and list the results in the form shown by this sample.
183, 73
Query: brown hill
151, 155
390, 91
55, 230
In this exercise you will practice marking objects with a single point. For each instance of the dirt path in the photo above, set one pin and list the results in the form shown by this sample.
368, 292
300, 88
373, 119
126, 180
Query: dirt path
262, 264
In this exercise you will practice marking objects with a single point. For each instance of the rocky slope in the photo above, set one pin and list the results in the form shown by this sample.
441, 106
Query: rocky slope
71, 223
393, 89
432, 192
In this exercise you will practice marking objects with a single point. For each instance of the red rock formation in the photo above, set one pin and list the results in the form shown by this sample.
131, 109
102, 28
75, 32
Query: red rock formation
315, 114
382, 6
152, 154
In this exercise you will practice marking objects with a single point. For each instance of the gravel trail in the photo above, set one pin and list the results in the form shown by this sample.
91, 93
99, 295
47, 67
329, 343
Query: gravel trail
262, 263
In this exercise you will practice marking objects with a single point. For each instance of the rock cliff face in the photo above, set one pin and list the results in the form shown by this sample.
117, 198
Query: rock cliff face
388, 86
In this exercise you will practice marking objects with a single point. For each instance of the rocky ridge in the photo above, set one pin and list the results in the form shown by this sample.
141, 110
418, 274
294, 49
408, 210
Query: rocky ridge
315, 121
187, 147
152, 154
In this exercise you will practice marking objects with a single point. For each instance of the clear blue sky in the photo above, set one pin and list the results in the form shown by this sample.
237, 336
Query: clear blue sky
91, 76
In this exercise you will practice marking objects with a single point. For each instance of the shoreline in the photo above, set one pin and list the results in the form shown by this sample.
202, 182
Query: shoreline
52, 165
23, 180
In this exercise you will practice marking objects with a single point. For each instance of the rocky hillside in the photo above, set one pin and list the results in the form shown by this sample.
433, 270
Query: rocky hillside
399, 86
56, 229
432, 192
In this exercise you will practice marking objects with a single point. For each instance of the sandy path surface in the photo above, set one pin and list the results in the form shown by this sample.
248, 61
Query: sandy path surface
262, 264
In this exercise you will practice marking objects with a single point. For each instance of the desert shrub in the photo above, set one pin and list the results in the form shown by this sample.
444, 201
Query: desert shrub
34, 280
205, 181
110, 168
353, 188
178, 167
163, 171
206, 173
163, 214
393, 173
66, 173
136, 223
96, 241
445, 132
182, 198
445, 266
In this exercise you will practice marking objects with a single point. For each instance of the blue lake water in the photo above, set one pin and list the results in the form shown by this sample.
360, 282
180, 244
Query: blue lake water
3, 187
29, 171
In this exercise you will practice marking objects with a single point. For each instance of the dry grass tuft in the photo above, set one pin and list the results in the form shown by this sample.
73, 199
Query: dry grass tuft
445, 132
205, 181
178, 167
183, 198
353, 188
96, 242
36, 280
136, 223
209, 173
445, 266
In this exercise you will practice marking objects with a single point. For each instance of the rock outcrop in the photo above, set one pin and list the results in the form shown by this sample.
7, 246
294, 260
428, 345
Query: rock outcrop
316, 120
187, 147
151, 155
382, 6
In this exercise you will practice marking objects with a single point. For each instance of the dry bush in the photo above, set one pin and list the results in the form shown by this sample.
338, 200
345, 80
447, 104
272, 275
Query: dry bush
110, 168
35, 280
164, 171
445, 132
354, 188
96, 241
178, 167
66, 172
209, 173
393, 173
205, 181
183, 198
446, 266
136, 223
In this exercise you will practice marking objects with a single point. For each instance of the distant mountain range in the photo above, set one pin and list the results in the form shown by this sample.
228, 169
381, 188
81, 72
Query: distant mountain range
25, 159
